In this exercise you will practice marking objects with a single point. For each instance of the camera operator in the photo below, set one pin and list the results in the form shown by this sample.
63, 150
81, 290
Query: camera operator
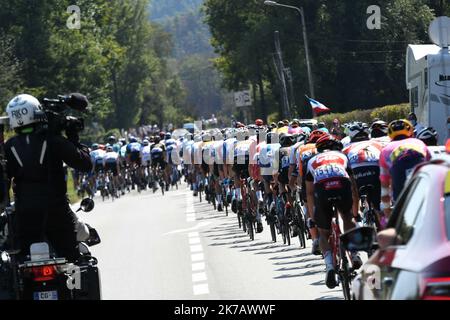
35, 159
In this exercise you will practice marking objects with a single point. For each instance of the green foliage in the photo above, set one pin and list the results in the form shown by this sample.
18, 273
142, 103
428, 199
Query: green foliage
118, 59
190, 35
10, 80
273, 117
352, 65
387, 113
71, 192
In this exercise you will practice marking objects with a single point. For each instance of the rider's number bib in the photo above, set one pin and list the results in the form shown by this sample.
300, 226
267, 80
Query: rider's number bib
329, 171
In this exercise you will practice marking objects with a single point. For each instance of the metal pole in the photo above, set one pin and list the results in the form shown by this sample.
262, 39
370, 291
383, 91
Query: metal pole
305, 40
280, 70
308, 64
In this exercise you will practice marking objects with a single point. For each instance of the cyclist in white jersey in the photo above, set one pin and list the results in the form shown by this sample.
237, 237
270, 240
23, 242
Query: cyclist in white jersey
111, 164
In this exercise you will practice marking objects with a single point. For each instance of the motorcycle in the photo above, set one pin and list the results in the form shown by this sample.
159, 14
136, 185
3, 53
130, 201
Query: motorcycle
43, 275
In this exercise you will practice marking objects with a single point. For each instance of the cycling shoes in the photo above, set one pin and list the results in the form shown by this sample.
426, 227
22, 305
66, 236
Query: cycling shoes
330, 279
259, 227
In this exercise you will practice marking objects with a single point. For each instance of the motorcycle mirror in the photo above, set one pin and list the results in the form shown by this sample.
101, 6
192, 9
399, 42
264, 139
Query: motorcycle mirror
86, 205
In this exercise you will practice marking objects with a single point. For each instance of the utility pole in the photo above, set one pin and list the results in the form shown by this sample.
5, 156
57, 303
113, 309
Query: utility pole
290, 79
305, 40
279, 66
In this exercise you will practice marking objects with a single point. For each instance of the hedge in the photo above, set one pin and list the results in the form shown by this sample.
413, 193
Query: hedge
387, 113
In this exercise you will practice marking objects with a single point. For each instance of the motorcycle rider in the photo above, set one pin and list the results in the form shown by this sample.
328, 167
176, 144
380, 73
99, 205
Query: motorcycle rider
35, 159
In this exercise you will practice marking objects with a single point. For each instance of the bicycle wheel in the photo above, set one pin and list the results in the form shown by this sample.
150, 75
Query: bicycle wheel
213, 200
273, 232
287, 230
346, 281
251, 231
239, 220
301, 227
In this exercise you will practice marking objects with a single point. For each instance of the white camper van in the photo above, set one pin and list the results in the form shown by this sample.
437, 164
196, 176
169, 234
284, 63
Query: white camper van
428, 79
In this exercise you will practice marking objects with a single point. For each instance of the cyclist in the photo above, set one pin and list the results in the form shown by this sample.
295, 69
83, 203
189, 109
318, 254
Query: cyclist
112, 141
218, 169
146, 157
158, 161
305, 153
364, 155
398, 159
111, 164
329, 176
244, 150
133, 156
429, 136
207, 165
171, 158
97, 156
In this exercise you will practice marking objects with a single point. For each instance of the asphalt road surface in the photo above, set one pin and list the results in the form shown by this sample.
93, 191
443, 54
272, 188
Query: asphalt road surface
174, 247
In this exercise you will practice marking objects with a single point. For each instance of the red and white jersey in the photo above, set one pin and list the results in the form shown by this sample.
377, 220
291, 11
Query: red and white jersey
328, 166
364, 153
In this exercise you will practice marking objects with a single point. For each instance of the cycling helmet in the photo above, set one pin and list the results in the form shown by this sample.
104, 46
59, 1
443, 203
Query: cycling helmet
328, 142
324, 130
168, 136
280, 124
123, 141
316, 135
162, 134
287, 140
429, 136
133, 140
21, 110
321, 125
358, 131
400, 128
259, 122
94, 146
206, 137
111, 140
109, 149
145, 143
378, 129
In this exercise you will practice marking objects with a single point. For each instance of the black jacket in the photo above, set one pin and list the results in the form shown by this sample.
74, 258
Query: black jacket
35, 164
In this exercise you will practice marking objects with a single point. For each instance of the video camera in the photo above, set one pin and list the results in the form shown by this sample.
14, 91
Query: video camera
54, 113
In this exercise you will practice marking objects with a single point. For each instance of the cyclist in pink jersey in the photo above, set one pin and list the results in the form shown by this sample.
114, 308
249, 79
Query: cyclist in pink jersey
398, 159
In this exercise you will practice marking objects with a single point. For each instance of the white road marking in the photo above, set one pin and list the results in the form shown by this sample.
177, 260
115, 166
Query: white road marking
196, 248
198, 226
200, 289
194, 240
199, 277
199, 266
197, 257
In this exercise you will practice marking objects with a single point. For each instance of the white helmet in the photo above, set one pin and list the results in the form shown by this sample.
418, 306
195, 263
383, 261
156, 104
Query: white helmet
21, 110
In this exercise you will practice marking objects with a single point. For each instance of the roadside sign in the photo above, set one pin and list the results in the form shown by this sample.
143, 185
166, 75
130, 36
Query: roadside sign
243, 98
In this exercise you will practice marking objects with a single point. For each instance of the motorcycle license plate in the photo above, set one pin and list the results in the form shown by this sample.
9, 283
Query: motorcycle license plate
46, 295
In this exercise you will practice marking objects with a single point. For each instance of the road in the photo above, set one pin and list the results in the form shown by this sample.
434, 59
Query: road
174, 247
